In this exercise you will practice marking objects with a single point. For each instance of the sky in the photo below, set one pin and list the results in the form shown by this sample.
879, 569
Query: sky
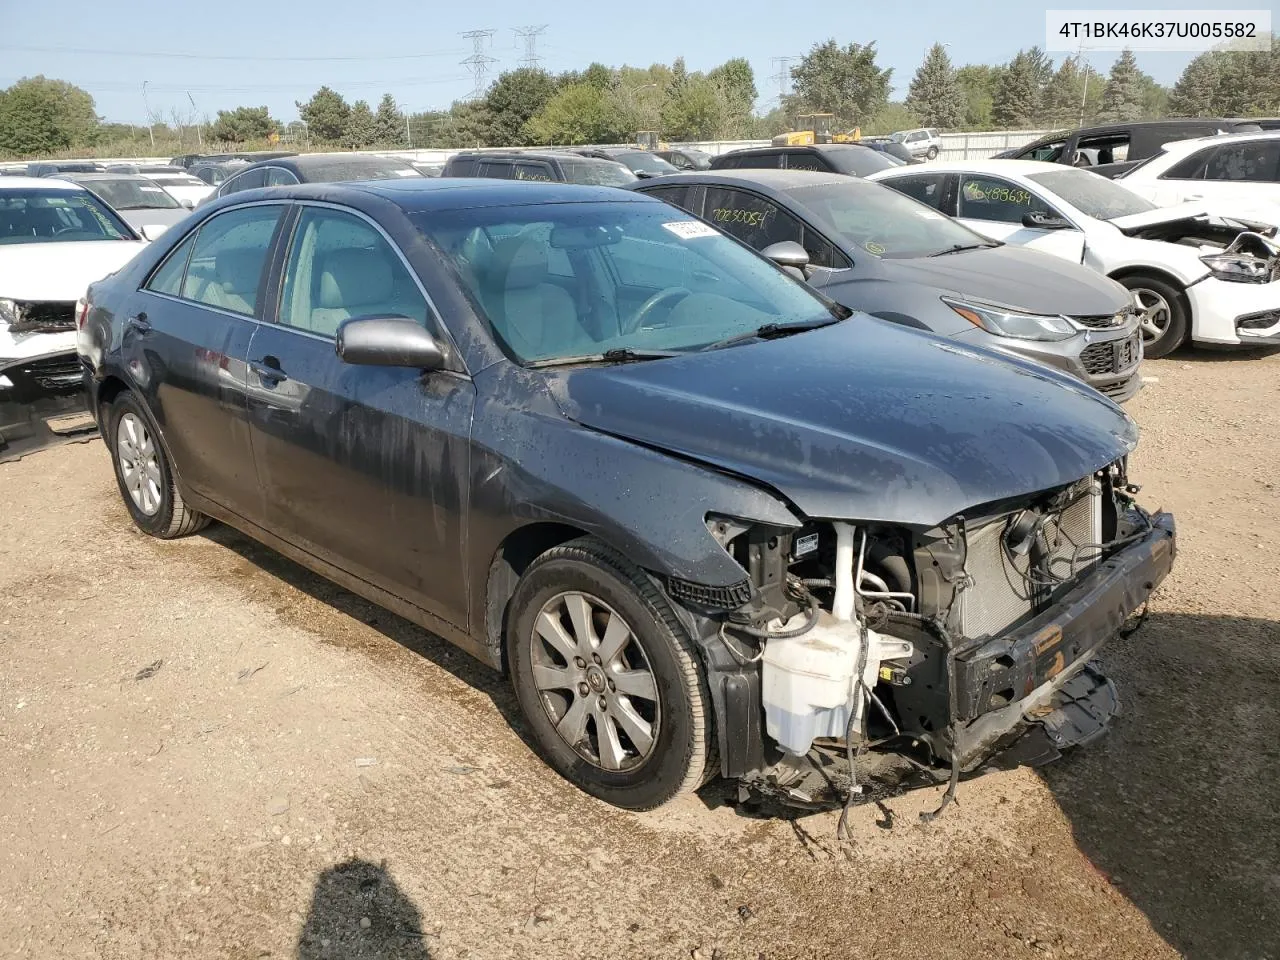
279, 53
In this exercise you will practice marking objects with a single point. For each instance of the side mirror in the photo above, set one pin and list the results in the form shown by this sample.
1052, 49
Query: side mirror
790, 256
388, 342
1043, 221
152, 231
188, 204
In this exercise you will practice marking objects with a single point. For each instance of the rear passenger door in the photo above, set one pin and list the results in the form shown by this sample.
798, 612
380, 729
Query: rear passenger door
186, 339
363, 467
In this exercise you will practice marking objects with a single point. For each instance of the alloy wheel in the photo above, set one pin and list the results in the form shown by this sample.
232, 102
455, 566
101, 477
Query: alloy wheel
595, 682
139, 464
1154, 315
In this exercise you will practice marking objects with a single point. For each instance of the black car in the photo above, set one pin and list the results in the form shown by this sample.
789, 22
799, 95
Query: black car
686, 158
849, 159
51, 168
549, 166
312, 168
892, 147
711, 522
1112, 149
640, 162
874, 249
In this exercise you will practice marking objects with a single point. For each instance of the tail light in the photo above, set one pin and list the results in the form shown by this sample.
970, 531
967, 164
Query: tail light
82, 313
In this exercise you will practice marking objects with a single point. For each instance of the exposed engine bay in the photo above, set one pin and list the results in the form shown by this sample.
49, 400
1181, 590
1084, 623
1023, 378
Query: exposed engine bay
1241, 249
885, 658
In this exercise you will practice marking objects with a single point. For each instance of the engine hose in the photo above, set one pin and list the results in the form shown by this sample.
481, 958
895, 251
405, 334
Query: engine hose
794, 632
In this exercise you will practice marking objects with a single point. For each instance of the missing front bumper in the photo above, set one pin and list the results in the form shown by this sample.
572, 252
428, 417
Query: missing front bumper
42, 403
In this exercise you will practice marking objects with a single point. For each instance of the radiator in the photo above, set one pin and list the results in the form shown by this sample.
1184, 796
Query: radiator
999, 595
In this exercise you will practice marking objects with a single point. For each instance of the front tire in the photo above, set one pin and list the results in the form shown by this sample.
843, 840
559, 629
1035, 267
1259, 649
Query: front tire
608, 679
144, 474
1163, 313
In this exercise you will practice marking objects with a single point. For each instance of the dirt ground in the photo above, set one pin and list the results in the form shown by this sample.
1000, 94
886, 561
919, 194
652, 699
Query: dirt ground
206, 751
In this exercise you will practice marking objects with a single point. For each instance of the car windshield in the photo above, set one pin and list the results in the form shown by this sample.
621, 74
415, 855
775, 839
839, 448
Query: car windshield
575, 280
643, 162
179, 181
600, 173
881, 221
858, 161
360, 168
1092, 195
53, 216
699, 159
133, 194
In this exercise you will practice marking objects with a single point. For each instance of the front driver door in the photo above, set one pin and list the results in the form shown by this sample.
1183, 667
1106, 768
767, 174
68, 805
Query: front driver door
364, 467
995, 207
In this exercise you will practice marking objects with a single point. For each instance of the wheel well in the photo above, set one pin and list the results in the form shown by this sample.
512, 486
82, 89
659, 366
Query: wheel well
513, 556
111, 388
1155, 272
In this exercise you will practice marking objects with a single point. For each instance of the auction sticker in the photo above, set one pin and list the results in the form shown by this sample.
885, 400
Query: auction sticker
688, 229
874, 248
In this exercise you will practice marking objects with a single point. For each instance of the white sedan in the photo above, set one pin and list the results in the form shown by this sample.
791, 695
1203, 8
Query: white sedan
1238, 173
56, 238
1194, 275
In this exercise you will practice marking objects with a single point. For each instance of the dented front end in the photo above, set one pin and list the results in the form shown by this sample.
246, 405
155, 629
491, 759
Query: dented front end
941, 648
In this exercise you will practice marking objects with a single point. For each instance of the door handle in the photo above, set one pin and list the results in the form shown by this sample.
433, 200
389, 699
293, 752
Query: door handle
268, 371
139, 322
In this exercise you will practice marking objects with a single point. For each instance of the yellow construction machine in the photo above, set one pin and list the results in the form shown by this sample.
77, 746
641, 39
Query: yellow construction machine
816, 128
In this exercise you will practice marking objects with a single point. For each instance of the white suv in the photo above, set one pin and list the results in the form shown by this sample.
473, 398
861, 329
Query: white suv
1239, 169
925, 142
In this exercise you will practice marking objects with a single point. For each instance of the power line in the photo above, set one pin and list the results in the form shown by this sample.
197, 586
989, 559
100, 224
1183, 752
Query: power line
783, 75
117, 85
530, 37
83, 51
479, 61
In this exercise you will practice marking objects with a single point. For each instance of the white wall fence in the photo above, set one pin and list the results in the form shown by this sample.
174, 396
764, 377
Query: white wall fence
955, 146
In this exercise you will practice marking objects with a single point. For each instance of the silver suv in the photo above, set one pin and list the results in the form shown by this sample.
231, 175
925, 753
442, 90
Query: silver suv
925, 142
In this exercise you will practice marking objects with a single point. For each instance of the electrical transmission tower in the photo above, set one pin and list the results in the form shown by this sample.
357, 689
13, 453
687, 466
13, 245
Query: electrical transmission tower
530, 37
783, 76
479, 61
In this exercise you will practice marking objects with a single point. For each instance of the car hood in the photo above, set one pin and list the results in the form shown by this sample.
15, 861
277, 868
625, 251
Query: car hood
60, 271
1013, 277
154, 216
863, 420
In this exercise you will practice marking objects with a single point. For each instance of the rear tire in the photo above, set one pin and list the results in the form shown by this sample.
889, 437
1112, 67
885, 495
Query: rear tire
932, 154
608, 679
1164, 313
144, 473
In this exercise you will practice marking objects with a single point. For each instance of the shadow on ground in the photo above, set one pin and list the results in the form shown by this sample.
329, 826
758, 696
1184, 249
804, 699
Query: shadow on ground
1177, 805
357, 911
1226, 354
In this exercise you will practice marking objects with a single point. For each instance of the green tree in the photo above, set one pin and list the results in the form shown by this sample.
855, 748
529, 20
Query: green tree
934, 95
1123, 95
515, 97
737, 83
978, 85
844, 81
1196, 92
698, 111
579, 113
1073, 96
326, 115
361, 129
388, 122
598, 75
241, 124
39, 115
891, 118
1016, 102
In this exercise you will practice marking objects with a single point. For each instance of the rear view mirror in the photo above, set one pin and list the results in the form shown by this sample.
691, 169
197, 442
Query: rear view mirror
790, 256
1043, 221
152, 231
388, 342
188, 204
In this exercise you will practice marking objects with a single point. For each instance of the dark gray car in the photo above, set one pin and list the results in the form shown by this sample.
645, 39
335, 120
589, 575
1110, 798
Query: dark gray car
873, 249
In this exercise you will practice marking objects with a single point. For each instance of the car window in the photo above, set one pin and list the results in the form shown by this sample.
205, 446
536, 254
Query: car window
248, 180
643, 277
1092, 195
279, 177
57, 216
858, 161
340, 267
757, 161
1254, 162
133, 194
758, 222
226, 263
990, 198
678, 196
168, 279
1113, 148
807, 161
494, 170
926, 188
1047, 152
1191, 167
531, 171
603, 173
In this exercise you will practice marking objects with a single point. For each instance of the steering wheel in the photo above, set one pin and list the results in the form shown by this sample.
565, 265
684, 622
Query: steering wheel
646, 308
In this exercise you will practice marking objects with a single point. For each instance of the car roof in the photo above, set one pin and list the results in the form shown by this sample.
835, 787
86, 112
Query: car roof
414, 194
797, 148
567, 154
1195, 143
1004, 168
27, 183
99, 175
778, 181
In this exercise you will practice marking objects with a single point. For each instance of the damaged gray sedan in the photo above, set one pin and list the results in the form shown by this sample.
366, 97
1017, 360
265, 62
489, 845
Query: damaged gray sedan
711, 523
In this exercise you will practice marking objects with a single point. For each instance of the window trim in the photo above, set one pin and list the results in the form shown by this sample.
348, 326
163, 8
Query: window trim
271, 255
454, 362
234, 178
270, 167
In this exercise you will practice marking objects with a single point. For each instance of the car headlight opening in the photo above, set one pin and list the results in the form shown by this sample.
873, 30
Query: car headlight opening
1012, 323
